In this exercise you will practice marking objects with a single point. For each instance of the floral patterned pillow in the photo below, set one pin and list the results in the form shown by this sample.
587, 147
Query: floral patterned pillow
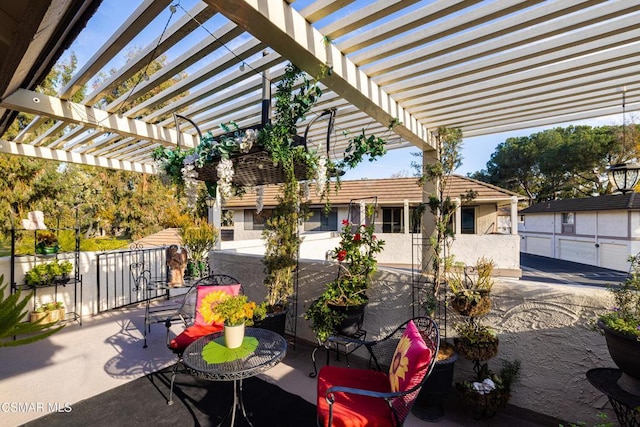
209, 296
409, 360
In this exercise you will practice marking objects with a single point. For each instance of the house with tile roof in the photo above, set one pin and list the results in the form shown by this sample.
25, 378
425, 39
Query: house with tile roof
482, 226
601, 231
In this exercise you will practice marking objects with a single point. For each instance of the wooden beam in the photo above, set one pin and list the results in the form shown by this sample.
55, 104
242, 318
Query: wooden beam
278, 25
45, 153
37, 103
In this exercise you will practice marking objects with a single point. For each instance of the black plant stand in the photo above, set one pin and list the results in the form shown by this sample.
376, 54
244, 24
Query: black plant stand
429, 405
625, 404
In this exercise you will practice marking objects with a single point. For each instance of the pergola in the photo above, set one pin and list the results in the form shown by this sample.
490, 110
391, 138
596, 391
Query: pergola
483, 66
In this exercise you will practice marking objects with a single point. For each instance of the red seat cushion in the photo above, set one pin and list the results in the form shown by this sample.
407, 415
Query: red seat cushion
350, 410
192, 333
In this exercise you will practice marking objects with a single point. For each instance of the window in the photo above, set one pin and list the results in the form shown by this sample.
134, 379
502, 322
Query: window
568, 219
468, 220
321, 222
415, 220
392, 220
254, 220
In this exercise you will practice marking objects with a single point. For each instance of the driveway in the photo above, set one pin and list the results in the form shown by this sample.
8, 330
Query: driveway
542, 269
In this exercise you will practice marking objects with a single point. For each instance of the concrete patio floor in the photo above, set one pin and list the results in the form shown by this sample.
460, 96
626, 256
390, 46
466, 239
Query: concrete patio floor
106, 351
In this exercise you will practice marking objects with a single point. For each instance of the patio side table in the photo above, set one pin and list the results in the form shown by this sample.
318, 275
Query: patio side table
625, 405
271, 349
342, 345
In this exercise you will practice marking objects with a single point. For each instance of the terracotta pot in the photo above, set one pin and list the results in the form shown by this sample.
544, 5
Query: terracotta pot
233, 335
625, 353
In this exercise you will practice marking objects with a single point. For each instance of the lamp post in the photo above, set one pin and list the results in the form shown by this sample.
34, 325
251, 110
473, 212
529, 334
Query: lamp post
210, 202
624, 176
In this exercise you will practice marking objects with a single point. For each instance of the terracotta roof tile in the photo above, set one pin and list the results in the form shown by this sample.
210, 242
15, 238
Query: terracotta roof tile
390, 191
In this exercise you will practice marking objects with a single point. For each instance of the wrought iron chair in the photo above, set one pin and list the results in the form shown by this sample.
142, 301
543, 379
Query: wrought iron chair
382, 396
195, 327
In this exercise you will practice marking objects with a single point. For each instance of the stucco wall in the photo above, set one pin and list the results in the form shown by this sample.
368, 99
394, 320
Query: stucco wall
546, 327
504, 249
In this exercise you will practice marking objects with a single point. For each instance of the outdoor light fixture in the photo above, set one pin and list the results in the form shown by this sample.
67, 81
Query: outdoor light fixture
210, 201
624, 176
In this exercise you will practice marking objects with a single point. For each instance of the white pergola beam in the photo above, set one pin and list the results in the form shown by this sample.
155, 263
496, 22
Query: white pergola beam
288, 33
28, 150
37, 103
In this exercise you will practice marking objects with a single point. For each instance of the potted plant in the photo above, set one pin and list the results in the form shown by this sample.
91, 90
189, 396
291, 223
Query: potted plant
471, 286
54, 272
50, 312
340, 308
476, 341
490, 391
199, 238
234, 311
621, 328
46, 242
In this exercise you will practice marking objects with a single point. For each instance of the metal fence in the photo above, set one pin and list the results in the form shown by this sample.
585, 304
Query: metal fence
120, 272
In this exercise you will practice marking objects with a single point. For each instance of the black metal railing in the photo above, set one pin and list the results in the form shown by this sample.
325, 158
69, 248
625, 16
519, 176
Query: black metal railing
119, 272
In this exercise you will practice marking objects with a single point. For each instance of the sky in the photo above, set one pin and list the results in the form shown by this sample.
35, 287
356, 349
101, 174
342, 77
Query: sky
476, 151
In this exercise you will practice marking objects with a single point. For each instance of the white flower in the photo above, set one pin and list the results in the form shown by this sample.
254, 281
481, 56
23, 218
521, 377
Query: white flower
225, 176
247, 140
321, 175
189, 176
305, 190
259, 198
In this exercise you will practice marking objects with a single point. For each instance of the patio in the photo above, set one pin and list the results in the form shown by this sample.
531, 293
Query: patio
512, 65
106, 351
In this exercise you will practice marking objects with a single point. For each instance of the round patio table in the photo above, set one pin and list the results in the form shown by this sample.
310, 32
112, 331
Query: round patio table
270, 351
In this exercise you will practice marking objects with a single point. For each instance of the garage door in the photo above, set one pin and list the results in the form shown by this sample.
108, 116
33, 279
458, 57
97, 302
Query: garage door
614, 256
538, 246
577, 251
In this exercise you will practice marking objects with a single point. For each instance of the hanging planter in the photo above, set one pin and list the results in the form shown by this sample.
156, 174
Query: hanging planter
471, 303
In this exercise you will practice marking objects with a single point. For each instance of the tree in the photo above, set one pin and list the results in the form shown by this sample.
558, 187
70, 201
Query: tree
559, 163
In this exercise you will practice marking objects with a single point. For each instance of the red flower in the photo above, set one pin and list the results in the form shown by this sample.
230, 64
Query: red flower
342, 255
345, 222
356, 237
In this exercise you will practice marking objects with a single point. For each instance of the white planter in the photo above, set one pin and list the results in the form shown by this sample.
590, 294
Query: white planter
233, 335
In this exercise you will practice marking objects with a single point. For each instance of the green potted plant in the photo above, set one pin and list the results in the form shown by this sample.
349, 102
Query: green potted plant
234, 311
471, 286
199, 238
50, 312
621, 328
46, 242
356, 267
476, 341
490, 391
45, 274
